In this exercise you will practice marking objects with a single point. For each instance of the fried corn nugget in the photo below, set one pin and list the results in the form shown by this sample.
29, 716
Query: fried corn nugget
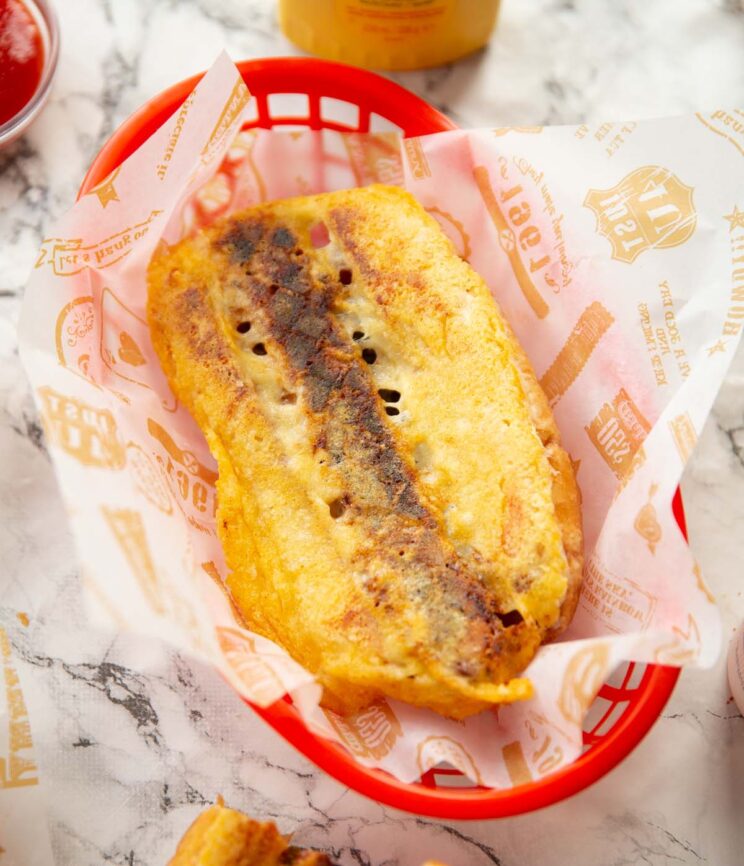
224, 837
394, 504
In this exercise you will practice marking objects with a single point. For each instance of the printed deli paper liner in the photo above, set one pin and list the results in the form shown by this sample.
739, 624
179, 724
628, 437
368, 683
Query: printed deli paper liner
616, 253
24, 834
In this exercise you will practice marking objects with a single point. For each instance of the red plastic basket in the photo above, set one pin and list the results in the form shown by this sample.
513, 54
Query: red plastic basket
334, 96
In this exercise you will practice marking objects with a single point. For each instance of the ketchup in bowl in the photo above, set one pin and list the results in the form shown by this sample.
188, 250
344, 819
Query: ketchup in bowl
21, 57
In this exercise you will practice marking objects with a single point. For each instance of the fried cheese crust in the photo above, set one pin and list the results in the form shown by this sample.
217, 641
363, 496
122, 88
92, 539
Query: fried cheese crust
220, 836
393, 502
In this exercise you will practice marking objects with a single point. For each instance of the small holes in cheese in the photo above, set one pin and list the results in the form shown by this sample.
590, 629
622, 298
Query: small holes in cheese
336, 508
389, 395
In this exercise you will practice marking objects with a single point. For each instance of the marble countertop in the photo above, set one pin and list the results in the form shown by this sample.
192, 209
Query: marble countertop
132, 739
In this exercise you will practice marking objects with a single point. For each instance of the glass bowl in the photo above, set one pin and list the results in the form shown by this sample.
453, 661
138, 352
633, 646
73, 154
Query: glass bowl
46, 20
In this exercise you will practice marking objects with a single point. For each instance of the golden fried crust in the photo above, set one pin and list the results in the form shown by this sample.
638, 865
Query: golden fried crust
394, 505
224, 837
566, 497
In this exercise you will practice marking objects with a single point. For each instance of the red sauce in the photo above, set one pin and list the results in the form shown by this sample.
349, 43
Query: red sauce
21, 57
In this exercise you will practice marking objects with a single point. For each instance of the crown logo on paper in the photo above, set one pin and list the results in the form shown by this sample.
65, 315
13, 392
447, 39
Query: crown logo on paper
650, 208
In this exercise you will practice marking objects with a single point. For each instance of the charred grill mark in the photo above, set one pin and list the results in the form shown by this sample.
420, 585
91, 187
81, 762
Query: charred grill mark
342, 396
283, 237
192, 307
241, 239
193, 311
344, 221
299, 314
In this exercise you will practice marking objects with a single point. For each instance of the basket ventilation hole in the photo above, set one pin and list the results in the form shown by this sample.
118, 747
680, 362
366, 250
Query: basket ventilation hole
344, 276
243, 327
259, 349
358, 335
369, 355
392, 410
288, 397
273, 289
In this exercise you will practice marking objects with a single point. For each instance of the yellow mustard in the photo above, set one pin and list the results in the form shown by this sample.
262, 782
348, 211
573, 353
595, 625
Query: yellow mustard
389, 34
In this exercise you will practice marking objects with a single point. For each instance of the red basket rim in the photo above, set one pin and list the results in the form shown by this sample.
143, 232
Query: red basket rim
482, 803
287, 75
417, 118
